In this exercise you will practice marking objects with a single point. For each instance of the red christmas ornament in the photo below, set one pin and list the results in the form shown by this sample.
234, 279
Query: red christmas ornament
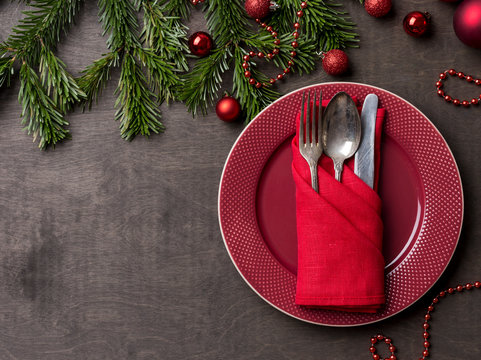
259, 9
228, 109
200, 44
377, 8
416, 23
467, 22
335, 62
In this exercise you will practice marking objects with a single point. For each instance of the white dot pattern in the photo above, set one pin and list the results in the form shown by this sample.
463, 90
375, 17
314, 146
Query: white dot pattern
420, 268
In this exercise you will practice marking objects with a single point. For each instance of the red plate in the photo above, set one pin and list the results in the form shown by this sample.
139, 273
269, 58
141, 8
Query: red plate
420, 188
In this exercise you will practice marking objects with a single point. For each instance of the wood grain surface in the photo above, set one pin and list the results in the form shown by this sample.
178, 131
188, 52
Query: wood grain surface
112, 250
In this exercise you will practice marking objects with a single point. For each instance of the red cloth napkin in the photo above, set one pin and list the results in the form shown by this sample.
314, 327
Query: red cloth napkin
339, 234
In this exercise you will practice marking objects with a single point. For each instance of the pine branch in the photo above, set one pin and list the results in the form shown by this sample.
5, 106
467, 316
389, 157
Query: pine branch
166, 39
228, 24
120, 22
322, 21
61, 86
203, 82
177, 8
40, 115
95, 77
44, 101
41, 27
163, 78
165, 35
227, 21
6, 70
137, 112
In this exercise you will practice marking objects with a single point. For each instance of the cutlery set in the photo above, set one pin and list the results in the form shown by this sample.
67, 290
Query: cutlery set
340, 133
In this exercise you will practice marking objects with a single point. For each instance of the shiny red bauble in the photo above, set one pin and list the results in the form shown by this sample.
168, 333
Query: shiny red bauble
257, 9
200, 44
416, 23
377, 8
228, 109
335, 62
467, 22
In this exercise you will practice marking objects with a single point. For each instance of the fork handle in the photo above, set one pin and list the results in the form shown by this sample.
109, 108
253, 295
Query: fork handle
314, 179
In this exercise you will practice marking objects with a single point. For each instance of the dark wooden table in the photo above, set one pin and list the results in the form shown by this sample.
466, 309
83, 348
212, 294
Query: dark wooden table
112, 250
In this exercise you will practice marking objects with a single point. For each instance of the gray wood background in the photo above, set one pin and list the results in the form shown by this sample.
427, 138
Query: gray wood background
112, 250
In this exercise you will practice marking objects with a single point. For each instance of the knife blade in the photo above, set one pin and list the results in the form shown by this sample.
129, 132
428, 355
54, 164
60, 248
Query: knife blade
364, 158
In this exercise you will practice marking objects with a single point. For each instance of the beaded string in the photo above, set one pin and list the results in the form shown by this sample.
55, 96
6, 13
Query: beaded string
248, 57
381, 338
470, 79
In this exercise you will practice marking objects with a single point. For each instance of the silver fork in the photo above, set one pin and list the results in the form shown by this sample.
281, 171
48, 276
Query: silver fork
311, 148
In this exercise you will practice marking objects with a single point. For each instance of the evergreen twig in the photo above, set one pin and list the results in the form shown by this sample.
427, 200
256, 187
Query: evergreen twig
41, 27
96, 75
163, 58
162, 76
6, 70
203, 82
40, 115
322, 22
60, 85
137, 112
44, 101
165, 35
120, 23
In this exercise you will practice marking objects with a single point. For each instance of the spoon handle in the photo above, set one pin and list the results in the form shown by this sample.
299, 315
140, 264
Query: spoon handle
314, 180
338, 167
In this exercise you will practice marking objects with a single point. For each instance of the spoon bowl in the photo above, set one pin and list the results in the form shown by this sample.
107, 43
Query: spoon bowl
341, 131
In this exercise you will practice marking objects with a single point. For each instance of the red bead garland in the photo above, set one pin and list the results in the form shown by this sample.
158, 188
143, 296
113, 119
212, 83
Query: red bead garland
275, 51
466, 103
427, 317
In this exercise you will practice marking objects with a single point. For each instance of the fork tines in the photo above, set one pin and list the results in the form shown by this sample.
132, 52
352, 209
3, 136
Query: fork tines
310, 145
312, 137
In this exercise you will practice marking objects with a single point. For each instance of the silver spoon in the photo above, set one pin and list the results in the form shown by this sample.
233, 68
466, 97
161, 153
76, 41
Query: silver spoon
341, 131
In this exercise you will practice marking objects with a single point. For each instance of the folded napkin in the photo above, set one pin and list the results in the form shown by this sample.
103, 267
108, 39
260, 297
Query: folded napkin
339, 234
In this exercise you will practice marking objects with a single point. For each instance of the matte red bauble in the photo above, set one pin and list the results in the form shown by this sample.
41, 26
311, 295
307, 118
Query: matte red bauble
258, 9
377, 8
467, 22
335, 62
416, 23
228, 109
200, 44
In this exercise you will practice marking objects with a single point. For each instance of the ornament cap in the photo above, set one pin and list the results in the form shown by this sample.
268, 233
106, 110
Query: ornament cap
274, 6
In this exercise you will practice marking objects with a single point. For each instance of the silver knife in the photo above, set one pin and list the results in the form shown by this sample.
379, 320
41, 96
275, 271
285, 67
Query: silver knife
364, 159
